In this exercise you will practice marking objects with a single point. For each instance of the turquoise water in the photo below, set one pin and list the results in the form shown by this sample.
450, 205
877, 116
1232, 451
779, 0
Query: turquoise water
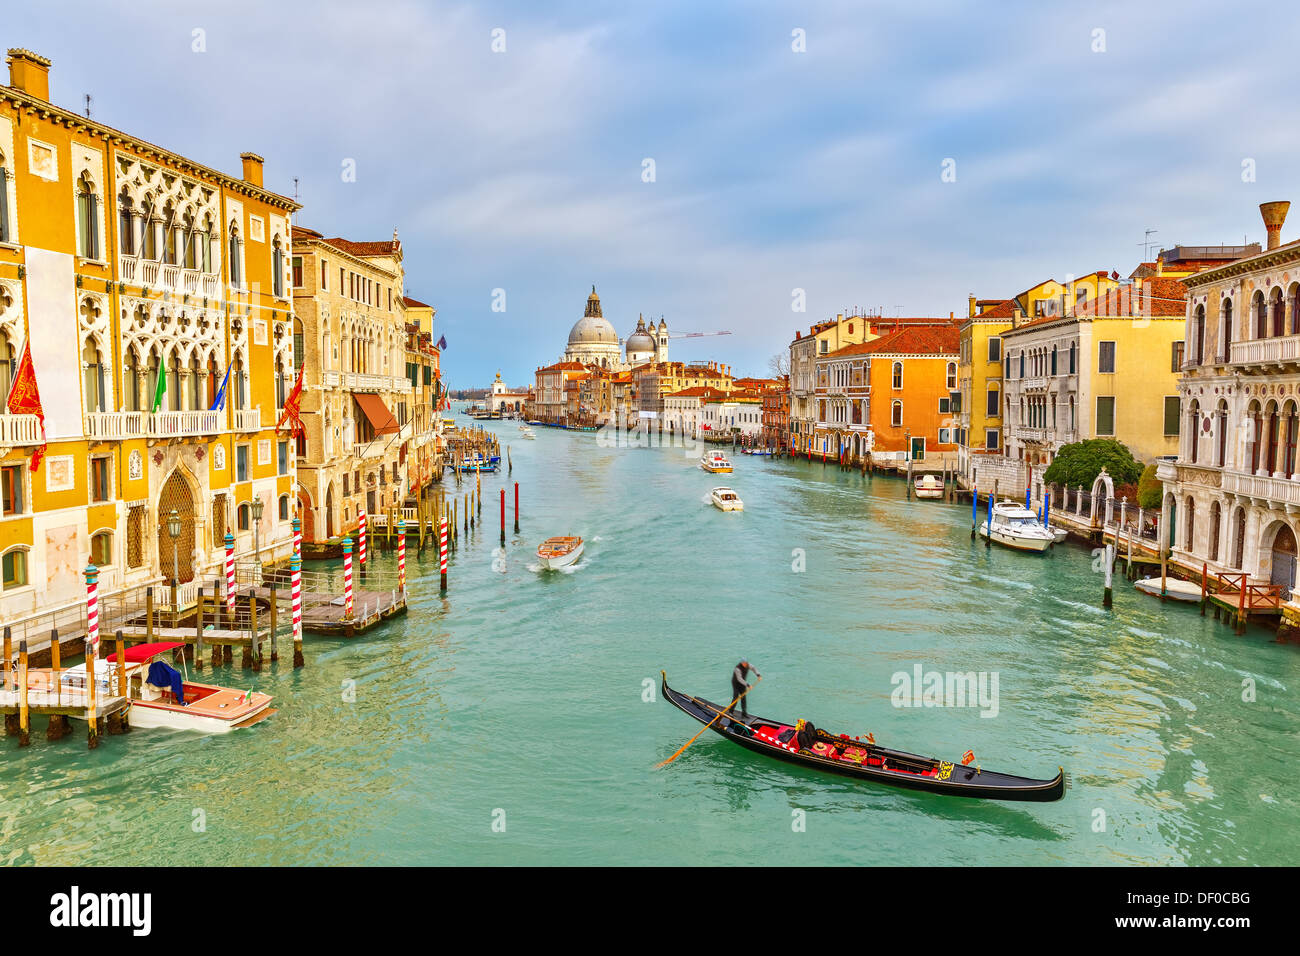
519, 699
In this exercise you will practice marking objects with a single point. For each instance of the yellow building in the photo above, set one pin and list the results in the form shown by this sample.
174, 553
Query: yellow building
979, 378
122, 262
822, 339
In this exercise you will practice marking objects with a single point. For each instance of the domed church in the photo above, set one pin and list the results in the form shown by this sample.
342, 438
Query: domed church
593, 341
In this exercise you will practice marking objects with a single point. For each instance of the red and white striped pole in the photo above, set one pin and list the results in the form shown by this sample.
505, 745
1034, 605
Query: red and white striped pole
442, 553
297, 536
361, 541
295, 579
401, 555
347, 578
92, 615
230, 574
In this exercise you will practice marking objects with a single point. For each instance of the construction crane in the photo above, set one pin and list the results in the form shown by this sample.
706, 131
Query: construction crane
696, 335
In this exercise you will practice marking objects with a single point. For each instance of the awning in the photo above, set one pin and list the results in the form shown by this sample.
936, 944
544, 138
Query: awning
381, 419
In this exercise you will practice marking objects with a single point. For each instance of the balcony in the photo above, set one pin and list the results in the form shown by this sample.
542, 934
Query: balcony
248, 419
160, 275
1280, 494
20, 430
115, 426
331, 378
1280, 351
184, 424
1036, 384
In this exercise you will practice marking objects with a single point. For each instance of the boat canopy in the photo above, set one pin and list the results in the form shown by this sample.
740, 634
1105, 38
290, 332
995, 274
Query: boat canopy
142, 652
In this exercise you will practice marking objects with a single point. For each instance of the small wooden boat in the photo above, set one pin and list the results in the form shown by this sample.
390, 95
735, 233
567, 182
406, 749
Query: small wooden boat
1015, 526
724, 499
1176, 589
851, 757
928, 486
560, 552
715, 462
206, 708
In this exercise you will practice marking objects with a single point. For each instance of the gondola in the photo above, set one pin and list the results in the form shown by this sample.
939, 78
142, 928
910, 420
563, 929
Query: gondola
866, 761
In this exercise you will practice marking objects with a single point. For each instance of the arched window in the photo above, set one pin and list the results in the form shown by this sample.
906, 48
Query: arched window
952, 376
277, 268
1053, 359
149, 237
1239, 538
1071, 413
4, 200
151, 382
1194, 429
299, 345
131, 384
194, 385
169, 227
279, 383
1191, 524
241, 384
101, 549
898, 375
896, 414
87, 219
94, 378
1221, 426
204, 240
14, 564
1294, 309
1073, 351
284, 508
1216, 518
244, 517
174, 376
1226, 325
126, 224
1261, 316
232, 253
190, 243
1276, 307
8, 365
1198, 333
1021, 374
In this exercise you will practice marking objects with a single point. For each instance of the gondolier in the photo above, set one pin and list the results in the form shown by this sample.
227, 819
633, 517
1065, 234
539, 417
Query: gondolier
739, 685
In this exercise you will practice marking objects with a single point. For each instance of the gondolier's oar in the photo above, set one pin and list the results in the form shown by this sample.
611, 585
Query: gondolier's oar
682, 748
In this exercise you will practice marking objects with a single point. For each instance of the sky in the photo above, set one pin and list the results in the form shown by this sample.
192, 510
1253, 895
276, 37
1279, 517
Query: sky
704, 162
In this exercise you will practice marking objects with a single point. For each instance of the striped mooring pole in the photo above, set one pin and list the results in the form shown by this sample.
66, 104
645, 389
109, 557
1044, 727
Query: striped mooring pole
516, 507
92, 651
442, 553
297, 535
361, 541
347, 578
230, 574
401, 555
295, 579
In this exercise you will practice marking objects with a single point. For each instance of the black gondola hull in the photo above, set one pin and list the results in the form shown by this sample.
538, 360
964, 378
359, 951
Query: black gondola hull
960, 781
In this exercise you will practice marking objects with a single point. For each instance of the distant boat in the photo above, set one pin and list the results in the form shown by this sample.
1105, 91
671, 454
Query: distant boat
724, 499
1176, 589
526, 432
756, 451
928, 486
1015, 526
715, 462
560, 552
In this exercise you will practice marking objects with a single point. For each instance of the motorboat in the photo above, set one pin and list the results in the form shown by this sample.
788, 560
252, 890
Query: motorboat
715, 462
559, 552
724, 499
928, 486
479, 463
1015, 526
1175, 589
159, 695
526, 432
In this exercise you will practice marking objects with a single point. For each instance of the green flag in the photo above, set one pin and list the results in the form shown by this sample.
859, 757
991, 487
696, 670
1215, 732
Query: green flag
161, 388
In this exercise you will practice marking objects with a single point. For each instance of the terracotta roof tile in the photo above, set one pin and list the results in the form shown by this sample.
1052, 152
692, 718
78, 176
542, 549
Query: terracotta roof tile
911, 340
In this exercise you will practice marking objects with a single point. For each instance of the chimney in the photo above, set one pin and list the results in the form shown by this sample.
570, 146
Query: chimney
971, 305
29, 72
1274, 214
1160, 265
252, 168
1016, 316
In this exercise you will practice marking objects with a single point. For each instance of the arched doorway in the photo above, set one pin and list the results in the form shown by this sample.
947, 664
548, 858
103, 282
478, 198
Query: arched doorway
1239, 539
176, 496
1284, 561
306, 515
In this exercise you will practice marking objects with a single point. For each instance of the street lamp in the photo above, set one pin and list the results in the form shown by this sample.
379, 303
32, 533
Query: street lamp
258, 505
174, 531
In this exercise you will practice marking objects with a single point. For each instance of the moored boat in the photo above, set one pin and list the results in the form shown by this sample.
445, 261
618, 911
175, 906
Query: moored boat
479, 463
1175, 589
928, 486
172, 703
863, 760
724, 499
1015, 526
559, 552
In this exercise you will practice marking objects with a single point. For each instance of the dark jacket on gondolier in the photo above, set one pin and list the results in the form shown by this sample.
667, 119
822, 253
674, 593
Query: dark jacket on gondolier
739, 685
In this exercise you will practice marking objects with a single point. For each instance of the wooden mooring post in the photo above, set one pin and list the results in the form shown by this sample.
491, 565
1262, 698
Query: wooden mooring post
1106, 598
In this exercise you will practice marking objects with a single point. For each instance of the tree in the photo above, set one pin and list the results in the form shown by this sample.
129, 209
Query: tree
1081, 462
1151, 491
779, 364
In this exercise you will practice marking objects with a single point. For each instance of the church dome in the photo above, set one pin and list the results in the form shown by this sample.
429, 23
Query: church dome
640, 340
593, 328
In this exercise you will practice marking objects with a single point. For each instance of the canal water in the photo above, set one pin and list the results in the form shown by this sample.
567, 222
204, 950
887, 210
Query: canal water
517, 720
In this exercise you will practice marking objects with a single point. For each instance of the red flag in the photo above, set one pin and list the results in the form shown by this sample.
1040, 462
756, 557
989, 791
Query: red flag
293, 408
967, 758
25, 399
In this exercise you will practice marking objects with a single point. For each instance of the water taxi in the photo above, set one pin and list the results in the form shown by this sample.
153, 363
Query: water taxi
715, 462
724, 499
928, 486
159, 696
526, 432
1015, 526
559, 552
